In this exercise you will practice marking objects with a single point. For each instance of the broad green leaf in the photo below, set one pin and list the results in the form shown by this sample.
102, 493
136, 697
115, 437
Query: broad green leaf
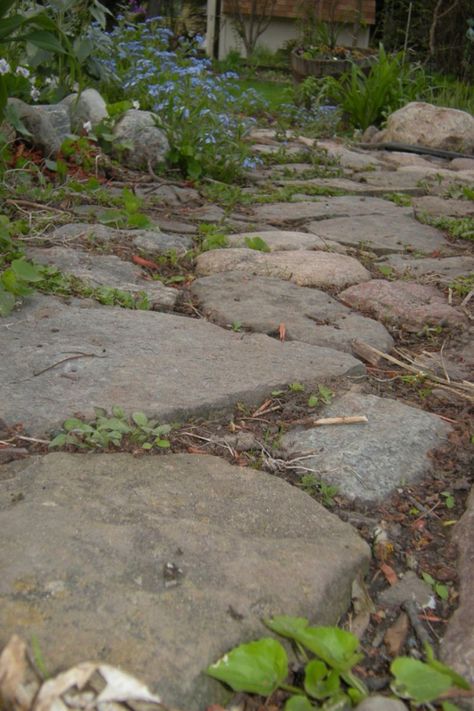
73, 423
161, 430
448, 706
298, 702
26, 271
7, 302
118, 411
418, 681
45, 40
336, 647
287, 626
257, 243
317, 682
257, 668
162, 443
313, 400
113, 423
59, 441
456, 678
140, 419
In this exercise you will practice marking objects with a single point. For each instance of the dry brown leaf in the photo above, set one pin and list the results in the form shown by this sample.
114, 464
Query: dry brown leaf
389, 573
282, 331
13, 665
396, 635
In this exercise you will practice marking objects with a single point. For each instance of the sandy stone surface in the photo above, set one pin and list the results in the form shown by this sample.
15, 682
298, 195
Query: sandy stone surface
168, 564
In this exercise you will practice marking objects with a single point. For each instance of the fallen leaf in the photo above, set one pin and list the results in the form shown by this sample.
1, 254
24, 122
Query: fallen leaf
13, 694
196, 450
282, 331
144, 262
389, 573
396, 635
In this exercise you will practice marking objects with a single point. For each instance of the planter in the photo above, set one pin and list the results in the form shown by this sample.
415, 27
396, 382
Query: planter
325, 66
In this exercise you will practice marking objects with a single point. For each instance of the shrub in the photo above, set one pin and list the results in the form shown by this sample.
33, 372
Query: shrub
202, 114
367, 99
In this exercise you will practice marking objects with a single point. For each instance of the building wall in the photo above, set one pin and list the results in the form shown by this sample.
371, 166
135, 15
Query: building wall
279, 31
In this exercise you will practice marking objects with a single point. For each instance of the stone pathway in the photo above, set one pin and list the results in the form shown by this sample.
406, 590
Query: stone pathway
161, 564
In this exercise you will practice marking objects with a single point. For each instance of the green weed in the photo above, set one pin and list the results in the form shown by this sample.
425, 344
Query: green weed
262, 667
104, 431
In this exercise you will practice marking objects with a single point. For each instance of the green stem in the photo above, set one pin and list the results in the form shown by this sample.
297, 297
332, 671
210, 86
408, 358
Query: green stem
354, 681
292, 689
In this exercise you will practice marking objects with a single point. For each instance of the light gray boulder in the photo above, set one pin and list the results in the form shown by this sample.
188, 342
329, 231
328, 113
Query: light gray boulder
89, 106
419, 123
144, 144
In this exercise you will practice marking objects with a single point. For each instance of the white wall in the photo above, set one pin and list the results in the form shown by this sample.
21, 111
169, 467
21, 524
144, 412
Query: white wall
279, 31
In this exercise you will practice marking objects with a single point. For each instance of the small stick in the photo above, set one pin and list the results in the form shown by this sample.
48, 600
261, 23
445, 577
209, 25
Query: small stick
29, 203
72, 357
32, 439
350, 420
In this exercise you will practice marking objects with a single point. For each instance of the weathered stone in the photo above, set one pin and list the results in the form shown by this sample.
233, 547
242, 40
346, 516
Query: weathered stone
423, 124
403, 304
381, 234
152, 241
301, 267
84, 555
147, 144
410, 587
368, 461
97, 270
381, 703
89, 107
168, 366
309, 315
457, 646
462, 164
325, 208
169, 195
58, 116
40, 126
440, 207
354, 160
397, 159
208, 213
170, 225
446, 269
280, 240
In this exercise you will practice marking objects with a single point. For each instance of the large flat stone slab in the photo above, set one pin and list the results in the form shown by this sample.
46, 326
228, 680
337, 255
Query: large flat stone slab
324, 209
404, 304
86, 547
381, 233
368, 461
166, 365
285, 240
457, 646
445, 269
151, 241
305, 268
98, 270
262, 304
441, 207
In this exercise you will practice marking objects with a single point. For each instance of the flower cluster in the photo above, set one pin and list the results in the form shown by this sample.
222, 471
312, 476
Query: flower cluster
201, 113
19, 81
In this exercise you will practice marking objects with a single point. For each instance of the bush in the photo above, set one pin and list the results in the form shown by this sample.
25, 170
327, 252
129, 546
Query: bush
367, 99
202, 114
